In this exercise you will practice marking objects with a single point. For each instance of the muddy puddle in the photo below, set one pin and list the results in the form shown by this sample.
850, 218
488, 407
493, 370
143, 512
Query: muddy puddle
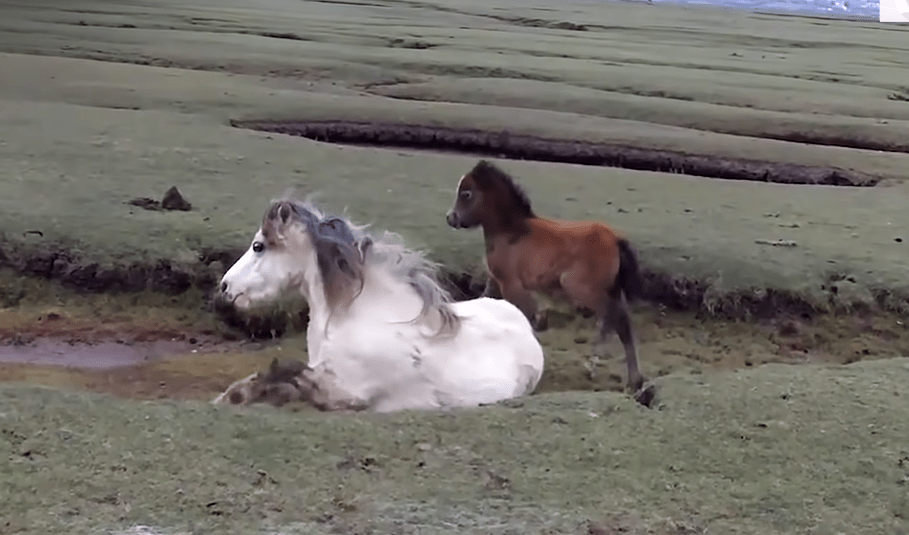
104, 354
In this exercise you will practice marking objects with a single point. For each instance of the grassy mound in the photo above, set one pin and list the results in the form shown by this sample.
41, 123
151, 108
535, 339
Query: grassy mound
776, 449
92, 135
704, 239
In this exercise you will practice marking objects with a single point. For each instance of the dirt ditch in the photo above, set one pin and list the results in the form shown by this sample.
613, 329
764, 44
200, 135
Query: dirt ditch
523, 147
671, 292
143, 359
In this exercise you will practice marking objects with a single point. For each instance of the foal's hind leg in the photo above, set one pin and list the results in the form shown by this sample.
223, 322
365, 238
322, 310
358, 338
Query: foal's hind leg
618, 317
576, 285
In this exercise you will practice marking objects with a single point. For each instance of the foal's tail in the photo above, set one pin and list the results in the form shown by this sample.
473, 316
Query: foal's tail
628, 279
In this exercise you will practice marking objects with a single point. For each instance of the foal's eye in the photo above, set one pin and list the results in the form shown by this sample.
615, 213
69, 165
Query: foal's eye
466, 194
258, 247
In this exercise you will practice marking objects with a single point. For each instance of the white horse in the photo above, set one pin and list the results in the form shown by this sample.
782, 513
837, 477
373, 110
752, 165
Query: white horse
383, 334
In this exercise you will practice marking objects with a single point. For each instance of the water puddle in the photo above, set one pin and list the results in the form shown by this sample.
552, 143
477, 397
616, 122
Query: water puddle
103, 354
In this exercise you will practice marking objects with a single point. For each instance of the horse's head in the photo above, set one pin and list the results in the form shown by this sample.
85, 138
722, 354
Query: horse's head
275, 262
486, 194
295, 252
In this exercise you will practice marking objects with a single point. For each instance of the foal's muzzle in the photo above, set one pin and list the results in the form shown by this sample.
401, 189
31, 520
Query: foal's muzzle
452, 220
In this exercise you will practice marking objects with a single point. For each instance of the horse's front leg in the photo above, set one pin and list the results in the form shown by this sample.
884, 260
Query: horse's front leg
324, 396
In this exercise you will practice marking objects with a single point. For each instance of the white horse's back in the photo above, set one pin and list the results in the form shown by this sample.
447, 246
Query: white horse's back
495, 355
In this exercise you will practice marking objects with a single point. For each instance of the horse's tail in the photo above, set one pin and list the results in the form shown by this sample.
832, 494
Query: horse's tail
628, 280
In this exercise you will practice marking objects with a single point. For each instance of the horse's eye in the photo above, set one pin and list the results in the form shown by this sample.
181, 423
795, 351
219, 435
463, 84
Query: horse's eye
466, 194
258, 247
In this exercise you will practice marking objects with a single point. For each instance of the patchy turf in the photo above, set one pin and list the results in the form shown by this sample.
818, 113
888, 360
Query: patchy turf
777, 449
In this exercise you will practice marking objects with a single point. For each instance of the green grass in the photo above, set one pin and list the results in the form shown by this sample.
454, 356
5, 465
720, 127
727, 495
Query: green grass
700, 81
777, 449
79, 165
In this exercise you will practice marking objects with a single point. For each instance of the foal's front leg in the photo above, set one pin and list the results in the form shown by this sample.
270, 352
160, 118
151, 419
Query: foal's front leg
492, 289
515, 293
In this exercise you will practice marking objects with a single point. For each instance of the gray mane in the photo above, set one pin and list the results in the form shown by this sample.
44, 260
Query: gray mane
345, 250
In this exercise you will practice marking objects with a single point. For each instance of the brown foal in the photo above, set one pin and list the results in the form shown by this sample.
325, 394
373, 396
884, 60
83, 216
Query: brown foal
583, 262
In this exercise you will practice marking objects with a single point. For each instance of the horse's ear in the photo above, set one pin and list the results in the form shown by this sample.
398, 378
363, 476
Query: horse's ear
364, 247
273, 367
284, 212
345, 267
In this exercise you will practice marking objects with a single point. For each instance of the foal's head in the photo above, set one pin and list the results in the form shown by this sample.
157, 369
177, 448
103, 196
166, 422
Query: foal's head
296, 248
487, 196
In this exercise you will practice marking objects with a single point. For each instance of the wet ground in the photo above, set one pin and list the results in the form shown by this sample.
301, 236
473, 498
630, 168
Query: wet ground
152, 359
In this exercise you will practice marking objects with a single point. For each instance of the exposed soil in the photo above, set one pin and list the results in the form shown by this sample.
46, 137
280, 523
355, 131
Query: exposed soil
660, 289
522, 147
105, 342
97, 355
138, 360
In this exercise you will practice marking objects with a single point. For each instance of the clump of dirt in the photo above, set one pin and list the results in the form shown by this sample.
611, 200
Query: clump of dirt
56, 263
523, 147
172, 200
146, 203
265, 325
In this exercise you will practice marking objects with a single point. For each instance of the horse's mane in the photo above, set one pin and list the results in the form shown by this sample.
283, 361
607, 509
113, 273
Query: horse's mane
345, 251
485, 173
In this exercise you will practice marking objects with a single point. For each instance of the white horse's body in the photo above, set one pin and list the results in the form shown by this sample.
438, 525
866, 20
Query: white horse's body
380, 351
392, 367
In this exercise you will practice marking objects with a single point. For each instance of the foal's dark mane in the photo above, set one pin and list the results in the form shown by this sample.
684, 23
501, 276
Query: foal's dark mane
486, 174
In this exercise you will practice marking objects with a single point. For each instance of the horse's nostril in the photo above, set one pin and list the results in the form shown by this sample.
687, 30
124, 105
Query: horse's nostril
223, 287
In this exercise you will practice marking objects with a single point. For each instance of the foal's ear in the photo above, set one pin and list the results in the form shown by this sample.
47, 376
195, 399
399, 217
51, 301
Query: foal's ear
273, 367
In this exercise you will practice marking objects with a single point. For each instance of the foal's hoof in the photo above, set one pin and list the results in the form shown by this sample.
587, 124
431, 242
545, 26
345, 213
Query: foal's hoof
541, 322
645, 394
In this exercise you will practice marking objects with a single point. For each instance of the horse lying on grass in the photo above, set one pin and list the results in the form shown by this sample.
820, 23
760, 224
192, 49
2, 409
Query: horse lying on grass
582, 262
383, 335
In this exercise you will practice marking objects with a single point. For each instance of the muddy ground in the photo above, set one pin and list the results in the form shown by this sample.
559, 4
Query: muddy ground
157, 357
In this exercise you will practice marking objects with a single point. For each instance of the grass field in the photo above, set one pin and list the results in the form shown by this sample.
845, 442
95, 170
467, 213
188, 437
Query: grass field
102, 102
780, 449
719, 84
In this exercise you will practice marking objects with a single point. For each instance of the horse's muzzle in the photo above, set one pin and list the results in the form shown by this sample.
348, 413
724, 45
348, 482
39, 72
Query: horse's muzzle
452, 220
